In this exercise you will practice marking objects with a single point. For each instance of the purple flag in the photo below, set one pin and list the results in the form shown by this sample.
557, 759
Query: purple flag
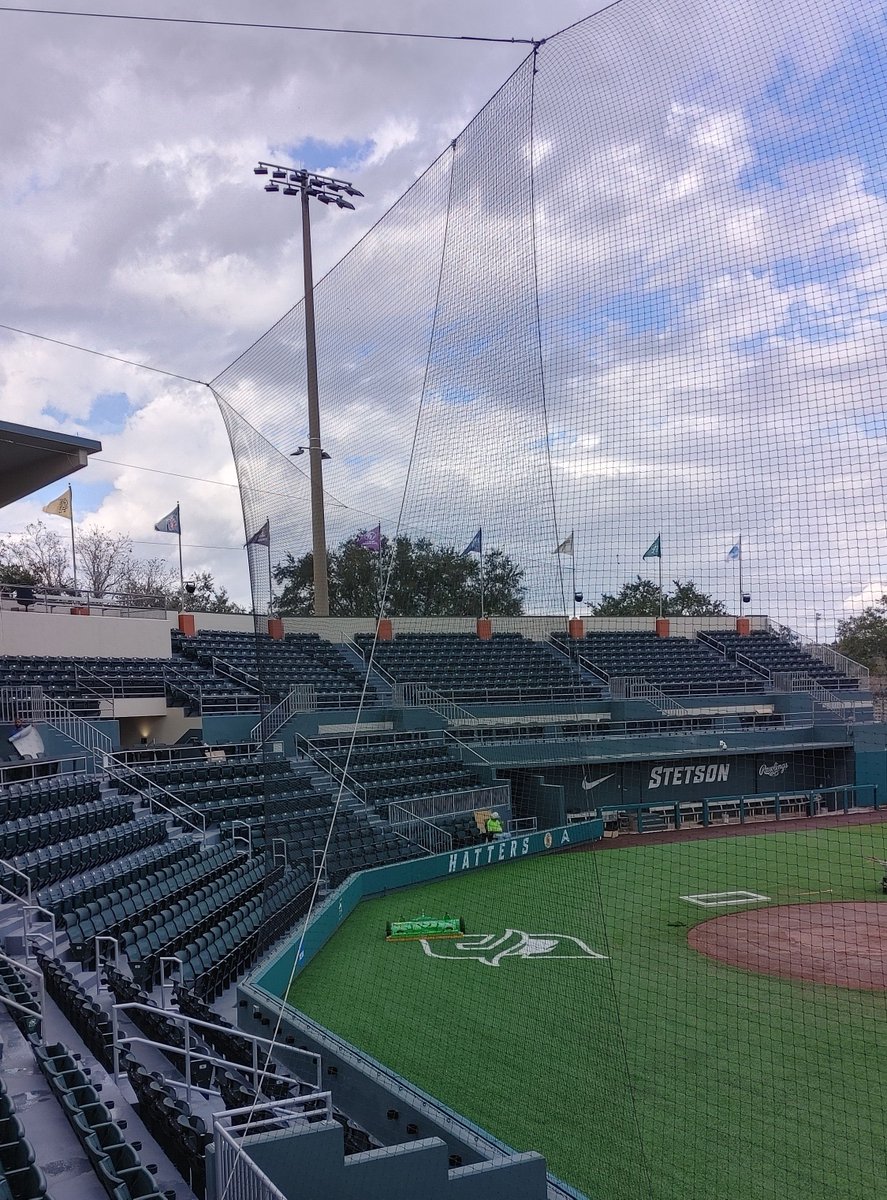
371, 539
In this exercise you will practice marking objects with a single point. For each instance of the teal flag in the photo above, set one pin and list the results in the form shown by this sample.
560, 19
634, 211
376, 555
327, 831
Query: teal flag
655, 550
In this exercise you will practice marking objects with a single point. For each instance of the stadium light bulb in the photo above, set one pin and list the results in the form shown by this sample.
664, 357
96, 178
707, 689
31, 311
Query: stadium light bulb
271, 187
260, 170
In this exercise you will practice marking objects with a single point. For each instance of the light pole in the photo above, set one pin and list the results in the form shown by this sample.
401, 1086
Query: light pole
292, 181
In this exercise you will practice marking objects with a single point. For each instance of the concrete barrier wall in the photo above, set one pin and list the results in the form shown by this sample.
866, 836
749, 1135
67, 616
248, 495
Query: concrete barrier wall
61, 635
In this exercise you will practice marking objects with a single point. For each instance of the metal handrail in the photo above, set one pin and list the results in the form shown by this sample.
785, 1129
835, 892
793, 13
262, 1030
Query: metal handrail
181, 1018
575, 656
440, 840
122, 771
414, 694
27, 898
221, 667
298, 699
637, 687
339, 774
41, 993
720, 723
448, 803
52, 598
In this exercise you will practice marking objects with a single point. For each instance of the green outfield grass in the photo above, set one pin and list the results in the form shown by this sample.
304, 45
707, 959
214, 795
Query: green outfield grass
655, 1072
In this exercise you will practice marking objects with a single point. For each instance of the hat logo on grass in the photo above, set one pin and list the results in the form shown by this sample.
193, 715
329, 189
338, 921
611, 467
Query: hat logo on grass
491, 948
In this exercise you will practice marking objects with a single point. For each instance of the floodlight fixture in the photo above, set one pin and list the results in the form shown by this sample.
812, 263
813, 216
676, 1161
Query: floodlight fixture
325, 188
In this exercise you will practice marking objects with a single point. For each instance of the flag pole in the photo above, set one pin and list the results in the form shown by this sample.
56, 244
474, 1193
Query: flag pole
660, 575
270, 576
740, 574
573, 559
71, 518
379, 556
181, 569
481, 547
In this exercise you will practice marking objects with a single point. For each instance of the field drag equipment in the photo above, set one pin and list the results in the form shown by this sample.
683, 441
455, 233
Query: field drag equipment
424, 927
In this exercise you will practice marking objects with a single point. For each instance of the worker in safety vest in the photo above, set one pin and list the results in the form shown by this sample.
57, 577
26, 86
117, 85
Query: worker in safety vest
493, 827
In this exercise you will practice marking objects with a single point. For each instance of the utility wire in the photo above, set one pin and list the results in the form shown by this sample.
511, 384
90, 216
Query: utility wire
101, 353
396, 33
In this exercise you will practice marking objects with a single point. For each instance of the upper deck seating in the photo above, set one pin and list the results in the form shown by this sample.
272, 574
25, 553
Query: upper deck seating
388, 769
466, 668
275, 666
677, 666
773, 653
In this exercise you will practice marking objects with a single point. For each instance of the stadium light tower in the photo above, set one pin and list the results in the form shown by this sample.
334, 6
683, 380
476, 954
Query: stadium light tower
292, 181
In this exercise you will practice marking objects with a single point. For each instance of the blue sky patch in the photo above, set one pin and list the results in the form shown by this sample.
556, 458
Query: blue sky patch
801, 118
316, 155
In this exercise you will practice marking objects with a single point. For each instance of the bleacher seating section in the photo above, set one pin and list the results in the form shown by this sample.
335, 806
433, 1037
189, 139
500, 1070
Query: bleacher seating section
466, 669
677, 666
388, 769
115, 1161
21, 1178
278, 665
772, 653
209, 905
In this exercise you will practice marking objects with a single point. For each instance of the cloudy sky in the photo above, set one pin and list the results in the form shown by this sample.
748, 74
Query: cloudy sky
131, 220
705, 236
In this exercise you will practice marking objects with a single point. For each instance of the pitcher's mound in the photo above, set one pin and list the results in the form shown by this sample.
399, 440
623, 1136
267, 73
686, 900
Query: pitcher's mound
841, 944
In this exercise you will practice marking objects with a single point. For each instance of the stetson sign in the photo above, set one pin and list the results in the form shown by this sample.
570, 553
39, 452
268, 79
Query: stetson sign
687, 775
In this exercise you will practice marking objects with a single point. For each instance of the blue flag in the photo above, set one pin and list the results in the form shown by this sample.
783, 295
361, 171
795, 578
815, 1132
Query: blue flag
655, 550
262, 537
475, 546
735, 551
171, 523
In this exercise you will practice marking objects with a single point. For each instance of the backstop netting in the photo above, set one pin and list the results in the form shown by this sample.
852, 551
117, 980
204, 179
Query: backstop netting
639, 295
629, 329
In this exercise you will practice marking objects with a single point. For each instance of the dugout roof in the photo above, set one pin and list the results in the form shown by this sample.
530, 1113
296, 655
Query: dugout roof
32, 458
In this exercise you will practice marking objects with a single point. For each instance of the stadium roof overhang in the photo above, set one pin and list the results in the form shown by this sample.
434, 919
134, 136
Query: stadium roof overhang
32, 458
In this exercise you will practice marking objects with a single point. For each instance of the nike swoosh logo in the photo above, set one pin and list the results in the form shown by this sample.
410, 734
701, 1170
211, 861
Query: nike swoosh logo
588, 784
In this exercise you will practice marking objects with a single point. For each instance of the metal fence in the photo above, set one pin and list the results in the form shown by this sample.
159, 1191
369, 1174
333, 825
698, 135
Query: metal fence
419, 830
27, 597
428, 807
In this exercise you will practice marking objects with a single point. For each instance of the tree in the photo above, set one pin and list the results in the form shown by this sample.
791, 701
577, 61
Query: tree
152, 577
207, 597
102, 559
864, 638
641, 599
10, 575
425, 581
41, 553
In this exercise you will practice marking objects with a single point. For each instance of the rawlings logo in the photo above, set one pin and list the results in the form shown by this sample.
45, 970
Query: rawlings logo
776, 769
491, 948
